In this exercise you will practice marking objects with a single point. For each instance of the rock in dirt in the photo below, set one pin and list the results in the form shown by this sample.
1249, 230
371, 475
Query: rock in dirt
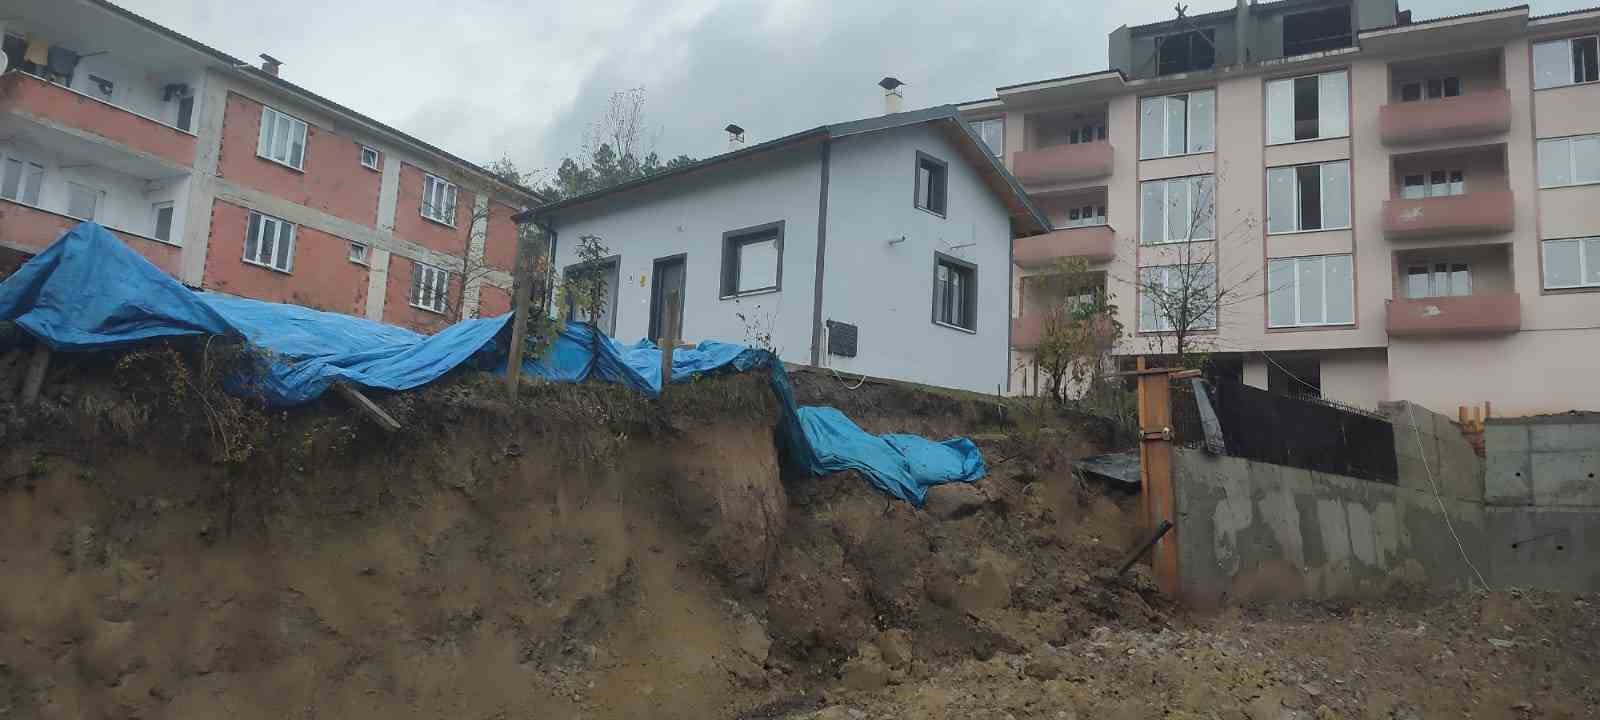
866, 671
747, 673
953, 501
752, 637
895, 647
1045, 666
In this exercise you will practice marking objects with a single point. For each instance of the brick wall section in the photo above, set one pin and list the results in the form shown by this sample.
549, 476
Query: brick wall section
500, 244
333, 181
493, 301
409, 224
323, 276
29, 95
397, 309
36, 229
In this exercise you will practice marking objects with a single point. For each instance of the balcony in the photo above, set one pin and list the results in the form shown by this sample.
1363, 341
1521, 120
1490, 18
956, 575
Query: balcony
1452, 118
1062, 163
1470, 214
1462, 315
46, 104
31, 229
1094, 242
1026, 331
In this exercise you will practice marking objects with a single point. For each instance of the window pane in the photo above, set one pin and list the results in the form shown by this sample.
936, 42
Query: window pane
1204, 300
1152, 212
1460, 279
1202, 121
1552, 64
1280, 199
1280, 293
297, 144
1458, 182
1555, 162
264, 143
1180, 221
1152, 127
1435, 87
251, 236
924, 182
1410, 92
1591, 274
991, 131
1150, 299
958, 298
1417, 281
1452, 86
1585, 60
12, 183
1177, 124
1561, 263
1309, 184
1586, 159
30, 190
1307, 93
941, 293
280, 138
1333, 102
1413, 187
269, 238
82, 201
758, 265
285, 246
163, 222
1280, 111
1336, 195
1309, 277
1203, 206
1341, 289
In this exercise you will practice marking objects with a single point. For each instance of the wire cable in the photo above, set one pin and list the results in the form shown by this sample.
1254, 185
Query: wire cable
1436, 498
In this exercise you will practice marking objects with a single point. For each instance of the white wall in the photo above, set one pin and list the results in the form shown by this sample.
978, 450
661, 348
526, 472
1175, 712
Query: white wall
129, 201
689, 215
887, 290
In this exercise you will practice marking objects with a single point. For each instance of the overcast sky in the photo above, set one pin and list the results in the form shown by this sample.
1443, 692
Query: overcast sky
492, 78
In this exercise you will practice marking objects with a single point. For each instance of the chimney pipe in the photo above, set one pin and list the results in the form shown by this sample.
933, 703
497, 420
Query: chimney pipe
270, 64
891, 95
735, 137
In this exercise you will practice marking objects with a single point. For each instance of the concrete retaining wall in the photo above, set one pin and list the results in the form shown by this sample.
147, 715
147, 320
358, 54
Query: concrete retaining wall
1542, 497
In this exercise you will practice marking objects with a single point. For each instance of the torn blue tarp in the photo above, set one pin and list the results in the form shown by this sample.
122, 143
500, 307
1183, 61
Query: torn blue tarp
89, 291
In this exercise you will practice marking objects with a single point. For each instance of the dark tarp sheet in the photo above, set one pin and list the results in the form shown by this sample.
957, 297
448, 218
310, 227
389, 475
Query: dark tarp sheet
89, 291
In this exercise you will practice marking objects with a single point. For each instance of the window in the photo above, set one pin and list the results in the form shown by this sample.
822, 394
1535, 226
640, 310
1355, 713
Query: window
931, 184
430, 287
1438, 278
186, 113
606, 271
1177, 124
1308, 108
1435, 183
1566, 62
993, 134
163, 222
269, 242
369, 158
1317, 31
1572, 263
1186, 52
1569, 161
1178, 296
1308, 197
1177, 210
1434, 88
1086, 134
21, 181
1086, 216
83, 202
283, 139
955, 292
1310, 291
358, 253
439, 200
752, 259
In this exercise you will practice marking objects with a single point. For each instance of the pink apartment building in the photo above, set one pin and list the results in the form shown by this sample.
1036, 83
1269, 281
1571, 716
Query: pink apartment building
1403, 209
235, 180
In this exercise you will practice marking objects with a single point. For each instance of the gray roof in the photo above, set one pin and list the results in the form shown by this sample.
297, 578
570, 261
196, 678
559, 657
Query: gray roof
948, 114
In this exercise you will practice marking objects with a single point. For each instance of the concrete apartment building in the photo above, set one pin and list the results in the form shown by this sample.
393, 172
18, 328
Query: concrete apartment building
1400, 209
235, 180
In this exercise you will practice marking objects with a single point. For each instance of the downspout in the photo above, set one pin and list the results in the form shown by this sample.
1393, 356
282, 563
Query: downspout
822, 249
549, 266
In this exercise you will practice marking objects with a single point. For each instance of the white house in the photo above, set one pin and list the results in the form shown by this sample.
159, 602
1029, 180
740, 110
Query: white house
879, 247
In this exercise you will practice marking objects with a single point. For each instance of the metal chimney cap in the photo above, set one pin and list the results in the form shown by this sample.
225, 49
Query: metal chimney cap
271, 59
734, 129
890, 83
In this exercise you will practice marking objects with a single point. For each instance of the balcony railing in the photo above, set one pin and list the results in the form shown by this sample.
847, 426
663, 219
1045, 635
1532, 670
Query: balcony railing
1095, 242
31, 229
1474, 213
1062, 163
47, 103
1464, 116
1027, 330
1467, 314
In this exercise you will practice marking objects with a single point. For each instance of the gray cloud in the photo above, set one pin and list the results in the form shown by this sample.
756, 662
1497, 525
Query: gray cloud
486, 78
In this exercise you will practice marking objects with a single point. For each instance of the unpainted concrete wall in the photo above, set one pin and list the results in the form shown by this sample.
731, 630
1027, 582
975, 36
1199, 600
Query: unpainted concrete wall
1543, 501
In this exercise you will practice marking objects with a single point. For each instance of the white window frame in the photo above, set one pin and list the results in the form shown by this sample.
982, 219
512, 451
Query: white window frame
1333, 84
1454, 179
1568, 148
98, 195
1565, 48
27, 190
1299, 222
272, 120
361, 254
439, 195
430, 287
1588, 255
375, 155
1423, 88
1430, 266
1163, 323
978, 129
1155, 107
1192, 184
283, 232
1091, 215
155, 231
1294, 264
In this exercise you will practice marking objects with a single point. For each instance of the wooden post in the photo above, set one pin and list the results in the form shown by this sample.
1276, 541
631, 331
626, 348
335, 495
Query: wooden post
668, 342
1155, 471
522, 288
367, 406
34, 380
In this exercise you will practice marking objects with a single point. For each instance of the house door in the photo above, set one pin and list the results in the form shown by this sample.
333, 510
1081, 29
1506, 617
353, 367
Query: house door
666, 298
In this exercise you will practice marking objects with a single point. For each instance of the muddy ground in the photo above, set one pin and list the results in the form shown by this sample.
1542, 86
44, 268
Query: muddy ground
584, 553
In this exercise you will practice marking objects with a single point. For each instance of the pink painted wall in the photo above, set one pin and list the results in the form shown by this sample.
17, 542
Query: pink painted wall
29, 95
409, 223
36, 229
397, 307
323, 276
333, 182
500, 244
493, 301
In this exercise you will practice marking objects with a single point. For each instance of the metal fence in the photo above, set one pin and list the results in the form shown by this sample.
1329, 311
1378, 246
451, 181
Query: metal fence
1309, 433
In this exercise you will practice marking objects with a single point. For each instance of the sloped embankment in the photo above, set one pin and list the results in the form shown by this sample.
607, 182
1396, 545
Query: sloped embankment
586, 553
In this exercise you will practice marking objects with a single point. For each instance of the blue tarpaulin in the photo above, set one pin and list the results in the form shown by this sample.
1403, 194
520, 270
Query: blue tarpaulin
88, 291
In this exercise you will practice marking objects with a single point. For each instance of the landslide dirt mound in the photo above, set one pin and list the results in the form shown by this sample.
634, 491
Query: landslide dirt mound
580, 553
